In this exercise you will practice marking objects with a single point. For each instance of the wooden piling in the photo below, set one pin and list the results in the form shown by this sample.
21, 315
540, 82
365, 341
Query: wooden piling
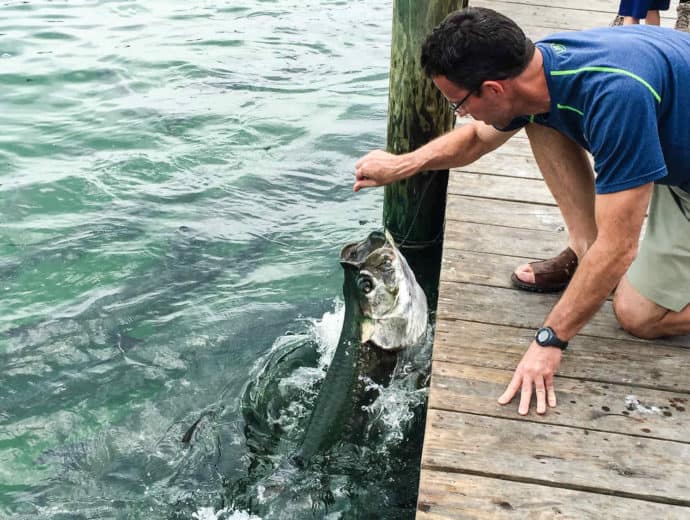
417, 113
414, 208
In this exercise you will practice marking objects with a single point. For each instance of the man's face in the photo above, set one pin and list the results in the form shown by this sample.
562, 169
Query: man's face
483, 104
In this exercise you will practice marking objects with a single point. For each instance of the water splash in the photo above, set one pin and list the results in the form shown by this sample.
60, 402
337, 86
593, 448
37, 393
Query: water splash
326, 332
208, 513
280, 399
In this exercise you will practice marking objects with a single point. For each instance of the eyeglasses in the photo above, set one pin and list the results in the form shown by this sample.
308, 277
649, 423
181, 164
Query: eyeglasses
456, 106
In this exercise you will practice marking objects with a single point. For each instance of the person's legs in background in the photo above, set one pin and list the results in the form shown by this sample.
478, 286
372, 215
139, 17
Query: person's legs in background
653, 11
653, 17
632, 11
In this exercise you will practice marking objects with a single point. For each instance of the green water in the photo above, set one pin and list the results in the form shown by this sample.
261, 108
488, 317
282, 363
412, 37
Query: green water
175, 186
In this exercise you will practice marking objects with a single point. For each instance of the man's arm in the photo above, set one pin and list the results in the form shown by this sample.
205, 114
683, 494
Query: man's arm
619, 221
459, 147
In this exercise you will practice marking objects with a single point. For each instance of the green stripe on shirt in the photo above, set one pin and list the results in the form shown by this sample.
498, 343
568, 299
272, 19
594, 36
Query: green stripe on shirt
611, 70
566, 107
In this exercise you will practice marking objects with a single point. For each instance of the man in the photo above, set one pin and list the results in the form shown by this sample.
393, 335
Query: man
620, 94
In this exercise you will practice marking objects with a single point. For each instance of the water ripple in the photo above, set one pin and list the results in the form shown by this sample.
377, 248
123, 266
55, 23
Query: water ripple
175, 185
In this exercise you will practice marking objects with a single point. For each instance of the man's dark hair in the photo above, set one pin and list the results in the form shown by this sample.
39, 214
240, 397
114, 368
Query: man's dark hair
474, 45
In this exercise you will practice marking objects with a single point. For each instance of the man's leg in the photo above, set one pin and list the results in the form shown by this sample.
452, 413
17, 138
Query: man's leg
643, 318
568, 173
652, 298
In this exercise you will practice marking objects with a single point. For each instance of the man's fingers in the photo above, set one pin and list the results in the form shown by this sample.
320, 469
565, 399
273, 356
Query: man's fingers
511, 390
364, 183
525, 396
550, 391
359, 169
540, 390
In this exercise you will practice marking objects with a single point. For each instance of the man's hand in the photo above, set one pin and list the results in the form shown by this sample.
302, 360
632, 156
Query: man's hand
536, 370
378, 168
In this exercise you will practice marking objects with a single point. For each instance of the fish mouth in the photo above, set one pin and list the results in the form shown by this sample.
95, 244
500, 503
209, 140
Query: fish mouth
356, 254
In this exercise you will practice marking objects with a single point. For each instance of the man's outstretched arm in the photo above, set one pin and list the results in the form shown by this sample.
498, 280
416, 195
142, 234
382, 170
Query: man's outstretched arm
459, 147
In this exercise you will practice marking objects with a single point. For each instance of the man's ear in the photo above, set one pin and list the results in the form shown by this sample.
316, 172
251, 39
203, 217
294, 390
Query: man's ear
496, 87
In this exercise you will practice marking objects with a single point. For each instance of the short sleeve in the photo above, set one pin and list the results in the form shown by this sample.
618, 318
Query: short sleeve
622, 132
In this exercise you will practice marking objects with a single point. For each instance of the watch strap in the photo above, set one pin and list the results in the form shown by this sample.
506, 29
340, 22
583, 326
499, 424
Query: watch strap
546, 337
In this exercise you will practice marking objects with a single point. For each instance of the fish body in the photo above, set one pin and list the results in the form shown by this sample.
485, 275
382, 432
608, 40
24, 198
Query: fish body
385, 311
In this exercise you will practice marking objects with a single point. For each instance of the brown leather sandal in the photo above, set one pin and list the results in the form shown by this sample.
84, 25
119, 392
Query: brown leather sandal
551, 275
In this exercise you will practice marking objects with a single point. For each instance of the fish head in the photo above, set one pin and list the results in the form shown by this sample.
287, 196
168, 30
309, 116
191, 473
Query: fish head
391, 303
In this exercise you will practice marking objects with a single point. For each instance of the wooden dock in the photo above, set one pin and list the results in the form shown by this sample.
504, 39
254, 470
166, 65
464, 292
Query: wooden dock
618, 444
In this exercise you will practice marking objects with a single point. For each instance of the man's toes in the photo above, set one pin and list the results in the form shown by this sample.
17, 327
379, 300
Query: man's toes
525, 274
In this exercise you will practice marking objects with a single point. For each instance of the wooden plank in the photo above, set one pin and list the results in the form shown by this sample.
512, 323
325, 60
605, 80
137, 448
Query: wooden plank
652, 364
485, 240
547, 16
636, 467
583, 404
501, 306
478, 268
456, 496
513, 159
494, 305
501, 188
606, 7
504, 164
537, 244
502, 213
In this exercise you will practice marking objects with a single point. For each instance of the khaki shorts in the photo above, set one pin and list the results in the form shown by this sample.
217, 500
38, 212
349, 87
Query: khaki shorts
661, 271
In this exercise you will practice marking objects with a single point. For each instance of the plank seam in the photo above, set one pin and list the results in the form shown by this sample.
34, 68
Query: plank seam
574, 378
574, 487
489, 224
560, 425
458, 171
443, 316
503, 199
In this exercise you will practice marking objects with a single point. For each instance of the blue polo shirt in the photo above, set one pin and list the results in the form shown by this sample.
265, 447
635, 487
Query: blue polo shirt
622, 93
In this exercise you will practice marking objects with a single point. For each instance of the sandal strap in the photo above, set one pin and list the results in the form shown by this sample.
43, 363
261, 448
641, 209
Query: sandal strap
558, 269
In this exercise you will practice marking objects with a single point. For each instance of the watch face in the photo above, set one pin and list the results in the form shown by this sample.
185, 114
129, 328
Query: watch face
543, 336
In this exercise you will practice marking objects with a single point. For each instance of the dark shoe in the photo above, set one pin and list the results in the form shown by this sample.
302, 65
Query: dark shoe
550, 275
683, 18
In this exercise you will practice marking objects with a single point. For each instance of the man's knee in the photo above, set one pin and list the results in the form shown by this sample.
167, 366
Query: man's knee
636, 314
632, 321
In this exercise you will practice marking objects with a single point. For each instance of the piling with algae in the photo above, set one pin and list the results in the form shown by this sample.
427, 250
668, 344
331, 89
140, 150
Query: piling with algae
414, 208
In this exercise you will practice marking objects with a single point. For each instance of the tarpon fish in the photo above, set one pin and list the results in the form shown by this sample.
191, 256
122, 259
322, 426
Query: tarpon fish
385, 311
385, 321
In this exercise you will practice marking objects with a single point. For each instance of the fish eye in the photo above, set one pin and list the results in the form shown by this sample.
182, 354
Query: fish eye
365, 284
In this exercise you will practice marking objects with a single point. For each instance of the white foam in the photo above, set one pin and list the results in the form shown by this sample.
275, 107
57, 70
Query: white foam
208, 513
326, 332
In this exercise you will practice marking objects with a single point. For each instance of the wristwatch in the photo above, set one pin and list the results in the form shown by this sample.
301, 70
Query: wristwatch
546, 337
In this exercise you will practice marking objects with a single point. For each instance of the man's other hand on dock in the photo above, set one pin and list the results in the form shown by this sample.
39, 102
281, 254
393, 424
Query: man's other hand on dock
535, 371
